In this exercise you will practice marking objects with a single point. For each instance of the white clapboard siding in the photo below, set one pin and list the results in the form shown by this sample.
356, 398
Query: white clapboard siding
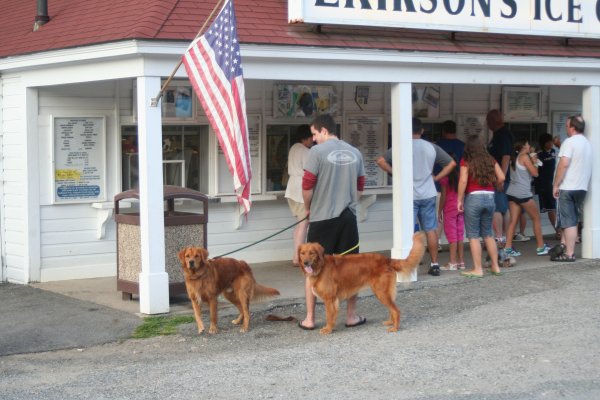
565, 98
376, 103
69, 241
71, 249
14, 176
267, 218
71, 224
61, 268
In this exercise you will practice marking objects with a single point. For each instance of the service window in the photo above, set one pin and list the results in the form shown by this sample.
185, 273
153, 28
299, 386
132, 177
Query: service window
279, 140
185, 156
528, 131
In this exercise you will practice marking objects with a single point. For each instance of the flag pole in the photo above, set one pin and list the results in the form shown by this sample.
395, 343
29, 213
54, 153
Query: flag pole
155, 100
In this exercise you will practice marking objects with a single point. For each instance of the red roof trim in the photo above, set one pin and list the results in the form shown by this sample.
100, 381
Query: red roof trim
75, 23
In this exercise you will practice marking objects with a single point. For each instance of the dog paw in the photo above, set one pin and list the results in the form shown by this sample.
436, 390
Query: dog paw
243, 329
212, 330
237, 321
325, 331
388, 322
392, 329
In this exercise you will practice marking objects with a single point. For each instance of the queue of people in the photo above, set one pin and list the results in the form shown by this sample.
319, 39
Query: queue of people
483, 192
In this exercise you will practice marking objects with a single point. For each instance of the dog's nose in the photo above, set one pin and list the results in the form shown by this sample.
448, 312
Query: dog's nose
191, 264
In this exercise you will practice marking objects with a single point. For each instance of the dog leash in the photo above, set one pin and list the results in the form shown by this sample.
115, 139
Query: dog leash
262, 240
349, 250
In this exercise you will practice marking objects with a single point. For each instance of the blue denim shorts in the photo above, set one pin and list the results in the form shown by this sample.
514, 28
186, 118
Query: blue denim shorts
425, 212
479, 212
570, 207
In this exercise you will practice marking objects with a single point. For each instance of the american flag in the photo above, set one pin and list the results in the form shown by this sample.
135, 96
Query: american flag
214, 67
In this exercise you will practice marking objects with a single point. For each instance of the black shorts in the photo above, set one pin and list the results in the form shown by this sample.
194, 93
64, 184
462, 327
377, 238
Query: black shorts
518, 200
336, 235
547, 201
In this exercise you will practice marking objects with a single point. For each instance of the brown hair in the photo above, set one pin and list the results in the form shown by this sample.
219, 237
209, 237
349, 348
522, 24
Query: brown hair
481, 163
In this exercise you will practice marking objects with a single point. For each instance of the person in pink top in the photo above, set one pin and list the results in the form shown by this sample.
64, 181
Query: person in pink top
452, 219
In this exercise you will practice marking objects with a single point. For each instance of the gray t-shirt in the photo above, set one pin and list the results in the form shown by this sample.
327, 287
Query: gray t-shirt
337, 166
520, 182
425, 156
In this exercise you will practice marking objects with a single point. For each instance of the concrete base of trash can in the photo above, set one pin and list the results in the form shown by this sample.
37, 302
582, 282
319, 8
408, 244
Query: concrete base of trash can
129, 258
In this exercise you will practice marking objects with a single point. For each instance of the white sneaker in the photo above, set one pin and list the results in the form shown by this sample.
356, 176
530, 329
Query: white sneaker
519, 237
449, 267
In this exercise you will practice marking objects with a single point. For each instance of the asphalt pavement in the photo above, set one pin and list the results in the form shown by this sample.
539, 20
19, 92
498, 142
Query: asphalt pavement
532, 333
35, 320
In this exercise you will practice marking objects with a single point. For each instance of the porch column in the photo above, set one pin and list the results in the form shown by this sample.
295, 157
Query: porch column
402, 171
591, 216
153, 280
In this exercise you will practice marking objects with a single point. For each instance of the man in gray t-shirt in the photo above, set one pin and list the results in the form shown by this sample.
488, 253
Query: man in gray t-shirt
334, 178
425, 156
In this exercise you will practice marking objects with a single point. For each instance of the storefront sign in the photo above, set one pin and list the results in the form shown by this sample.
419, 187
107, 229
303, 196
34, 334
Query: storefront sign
79, 159
568, 18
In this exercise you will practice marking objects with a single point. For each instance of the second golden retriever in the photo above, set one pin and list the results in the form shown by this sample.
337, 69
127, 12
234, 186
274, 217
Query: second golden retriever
336, 278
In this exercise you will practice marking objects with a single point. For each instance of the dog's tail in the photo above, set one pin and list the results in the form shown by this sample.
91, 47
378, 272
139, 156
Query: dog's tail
408, 265
261, 292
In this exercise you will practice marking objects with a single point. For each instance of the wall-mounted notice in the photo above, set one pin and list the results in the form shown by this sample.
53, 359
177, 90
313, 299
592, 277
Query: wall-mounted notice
521, 103
79, 159
471, 124
367, 134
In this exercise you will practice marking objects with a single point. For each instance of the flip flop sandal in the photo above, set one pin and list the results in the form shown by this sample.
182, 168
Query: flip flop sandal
470, 275
563, 257
306, 328
361, 321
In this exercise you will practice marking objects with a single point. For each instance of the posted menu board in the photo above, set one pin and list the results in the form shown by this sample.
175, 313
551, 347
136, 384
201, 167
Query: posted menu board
367, 134
79, 159
521, 103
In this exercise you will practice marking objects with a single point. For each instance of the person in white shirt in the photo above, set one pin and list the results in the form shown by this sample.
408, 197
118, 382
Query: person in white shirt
293, 192
570, 186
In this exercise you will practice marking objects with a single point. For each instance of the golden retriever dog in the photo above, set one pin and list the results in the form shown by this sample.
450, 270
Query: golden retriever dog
206, 279
336, 278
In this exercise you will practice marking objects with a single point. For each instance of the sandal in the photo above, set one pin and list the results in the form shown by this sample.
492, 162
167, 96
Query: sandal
557, 250
563, 257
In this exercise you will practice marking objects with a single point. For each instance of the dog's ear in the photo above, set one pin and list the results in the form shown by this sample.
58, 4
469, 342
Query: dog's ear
181, 255
320, 253
203, 255
298, 252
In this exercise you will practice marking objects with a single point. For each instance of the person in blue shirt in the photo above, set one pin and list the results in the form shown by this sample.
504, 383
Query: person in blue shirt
543, 182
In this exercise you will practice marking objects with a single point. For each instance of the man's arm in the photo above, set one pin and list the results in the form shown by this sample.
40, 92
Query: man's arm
444, 160
462, 187
505, 164
307, 196
360, 186
445, 171
561, 171
384, 165
309, 180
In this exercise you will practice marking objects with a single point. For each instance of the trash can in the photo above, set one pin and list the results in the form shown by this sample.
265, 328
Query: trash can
181, 229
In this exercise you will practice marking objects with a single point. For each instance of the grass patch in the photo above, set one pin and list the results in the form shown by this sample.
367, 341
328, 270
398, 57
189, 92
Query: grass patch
159, 326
